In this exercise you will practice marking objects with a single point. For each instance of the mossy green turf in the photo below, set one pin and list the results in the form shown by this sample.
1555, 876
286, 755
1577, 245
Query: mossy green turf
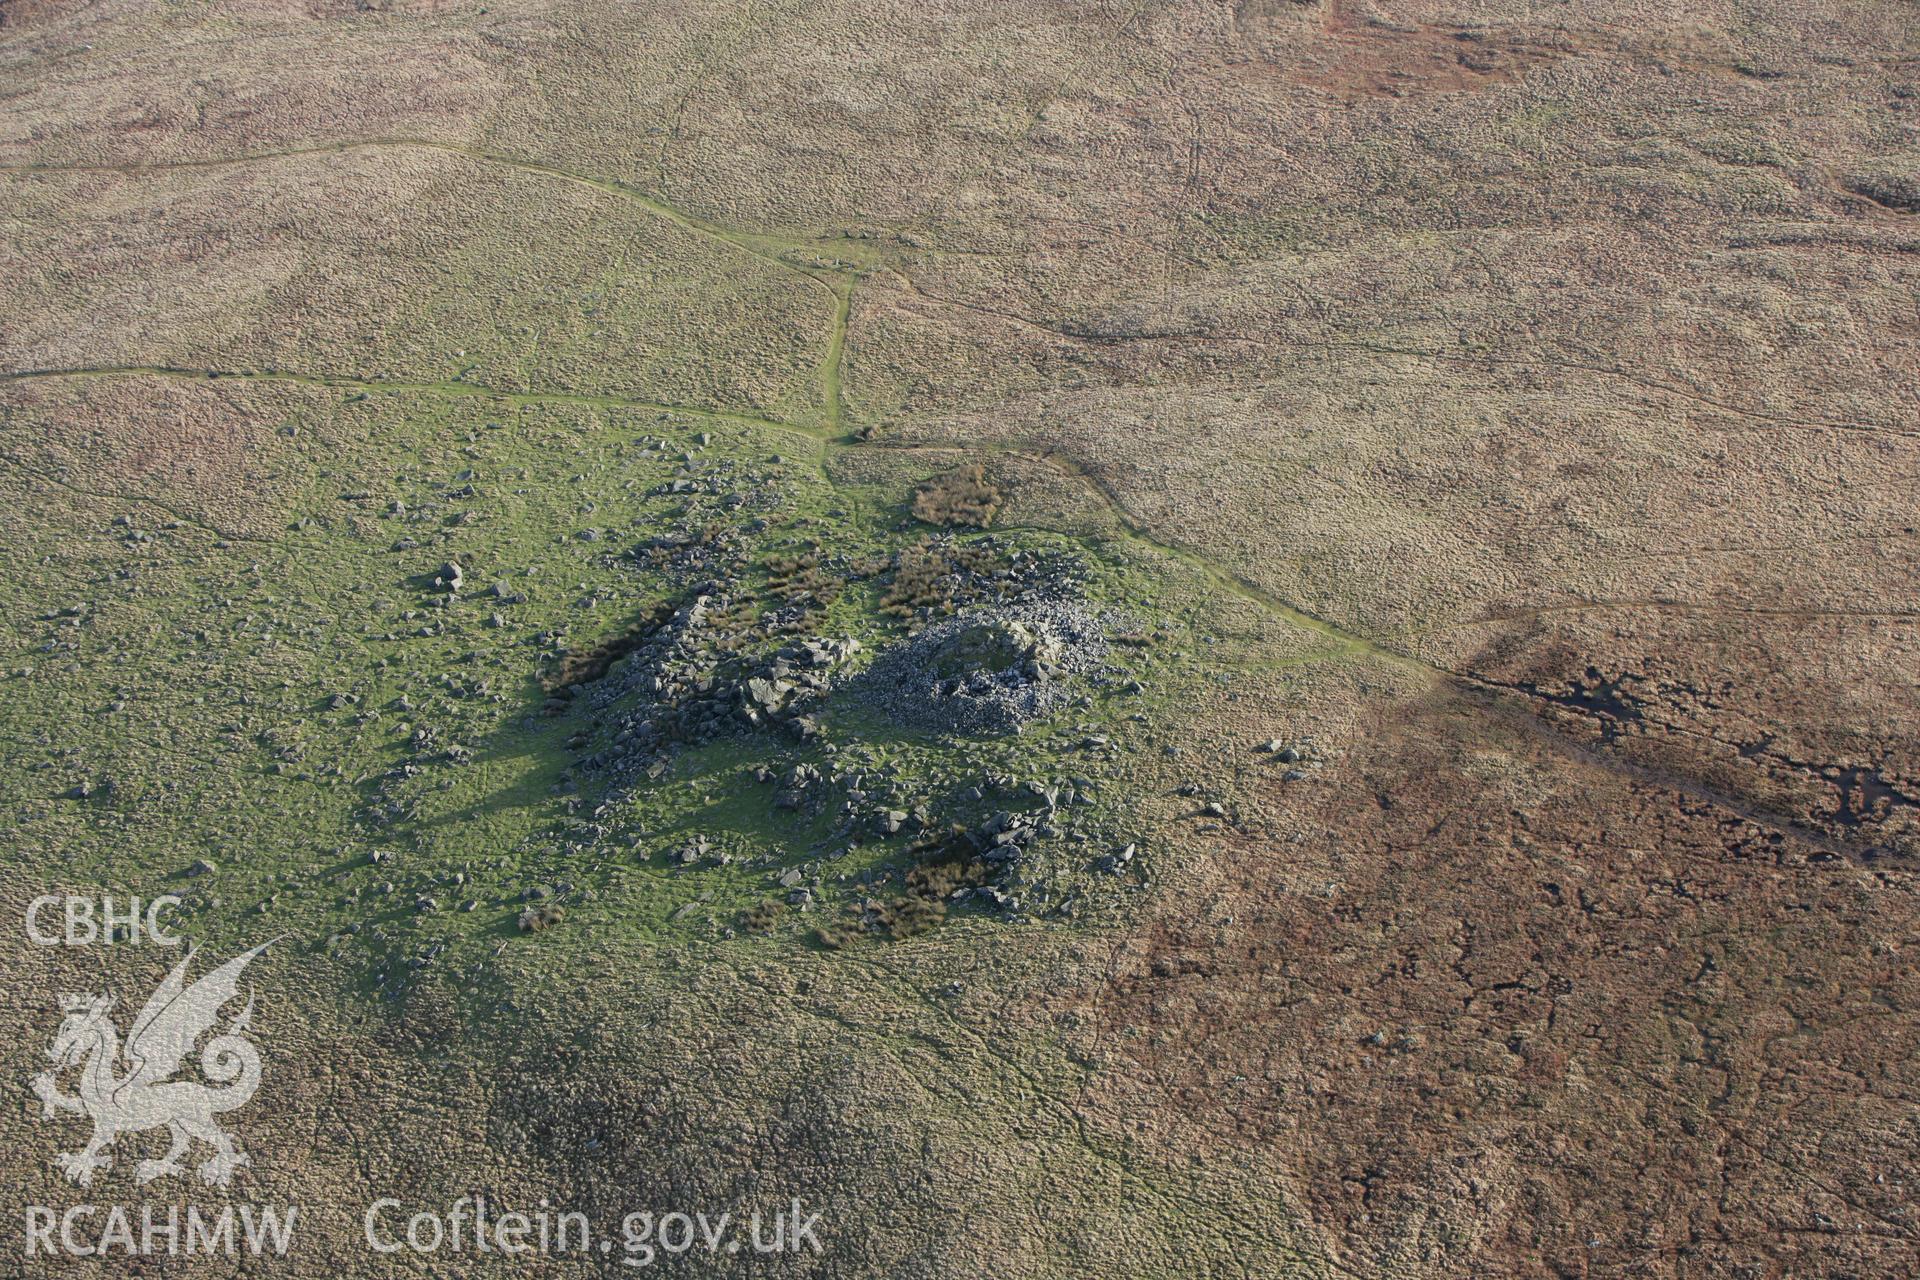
192, 694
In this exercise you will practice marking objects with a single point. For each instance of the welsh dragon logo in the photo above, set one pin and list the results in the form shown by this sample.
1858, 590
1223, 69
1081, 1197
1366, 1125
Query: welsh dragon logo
128, 1089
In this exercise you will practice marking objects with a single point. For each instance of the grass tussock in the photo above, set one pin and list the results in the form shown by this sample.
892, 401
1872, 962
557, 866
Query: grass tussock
929, 575
762, 916
961, 498
948, 865
803, 579
585, 665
